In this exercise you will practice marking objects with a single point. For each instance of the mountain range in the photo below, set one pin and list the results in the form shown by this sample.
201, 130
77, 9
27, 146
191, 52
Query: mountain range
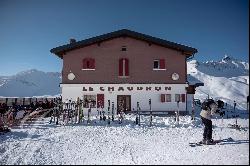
30, 83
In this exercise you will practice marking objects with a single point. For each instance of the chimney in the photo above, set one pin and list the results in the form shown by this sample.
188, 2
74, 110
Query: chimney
72, 40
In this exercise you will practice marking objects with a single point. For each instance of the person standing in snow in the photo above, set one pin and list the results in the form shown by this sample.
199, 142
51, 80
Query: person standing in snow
212, 108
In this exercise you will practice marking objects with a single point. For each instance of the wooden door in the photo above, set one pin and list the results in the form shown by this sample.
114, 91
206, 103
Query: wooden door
123, 103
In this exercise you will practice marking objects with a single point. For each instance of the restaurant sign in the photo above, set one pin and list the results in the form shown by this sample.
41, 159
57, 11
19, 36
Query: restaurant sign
129, 88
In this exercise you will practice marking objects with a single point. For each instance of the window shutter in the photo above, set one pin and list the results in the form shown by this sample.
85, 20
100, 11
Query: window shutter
92, 63
84, 63
162, 98
120, 67
162, 63
100, 100
183, 98
126, 68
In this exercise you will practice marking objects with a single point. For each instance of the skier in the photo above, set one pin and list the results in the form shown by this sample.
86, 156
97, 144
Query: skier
206, 114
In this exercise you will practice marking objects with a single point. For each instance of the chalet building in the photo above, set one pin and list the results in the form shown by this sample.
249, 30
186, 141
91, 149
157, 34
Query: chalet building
126, 67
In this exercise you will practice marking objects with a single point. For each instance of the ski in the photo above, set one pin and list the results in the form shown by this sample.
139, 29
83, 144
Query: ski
150, 108
103, 114
89, 111
78, 110
113, 118
194, 144
108, 111
81, 111
137, 114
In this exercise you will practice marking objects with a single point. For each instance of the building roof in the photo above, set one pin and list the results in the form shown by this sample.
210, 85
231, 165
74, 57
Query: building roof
59, 51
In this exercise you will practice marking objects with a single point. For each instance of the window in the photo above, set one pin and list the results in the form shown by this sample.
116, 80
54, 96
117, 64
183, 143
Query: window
180, 97
89, 101
88, 64
165, 98
123, 67
177, 97
168, 97
124, 48
159, 64
156, 64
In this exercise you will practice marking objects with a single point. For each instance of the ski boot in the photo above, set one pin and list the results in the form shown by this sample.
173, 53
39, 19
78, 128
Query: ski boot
209, 142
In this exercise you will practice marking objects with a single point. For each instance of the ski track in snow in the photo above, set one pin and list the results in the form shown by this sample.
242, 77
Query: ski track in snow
163, 143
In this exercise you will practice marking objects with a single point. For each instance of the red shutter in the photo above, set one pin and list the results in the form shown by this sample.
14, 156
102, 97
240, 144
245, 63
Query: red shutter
162, 64
126, 68
183, 98
120, 67
92, 63
100, 100
84, 63
162, 98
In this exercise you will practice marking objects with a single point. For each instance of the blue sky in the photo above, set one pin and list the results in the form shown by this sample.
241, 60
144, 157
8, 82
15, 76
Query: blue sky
30, 28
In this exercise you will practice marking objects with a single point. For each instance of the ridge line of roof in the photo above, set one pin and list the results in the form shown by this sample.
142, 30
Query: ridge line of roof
67, 47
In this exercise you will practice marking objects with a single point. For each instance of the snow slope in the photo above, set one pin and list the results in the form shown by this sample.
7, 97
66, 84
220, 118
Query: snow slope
227, 79
30, 83
163, 143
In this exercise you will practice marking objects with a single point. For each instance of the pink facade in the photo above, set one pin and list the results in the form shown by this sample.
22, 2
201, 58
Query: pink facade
141, 56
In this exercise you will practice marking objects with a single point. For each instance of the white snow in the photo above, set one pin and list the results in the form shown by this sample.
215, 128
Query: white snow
227, 79
98, 143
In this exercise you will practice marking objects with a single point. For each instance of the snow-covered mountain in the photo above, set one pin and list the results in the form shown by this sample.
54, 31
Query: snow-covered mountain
30, 83
227, 79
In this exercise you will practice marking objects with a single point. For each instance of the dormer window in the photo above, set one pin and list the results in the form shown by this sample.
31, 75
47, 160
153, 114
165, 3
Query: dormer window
88, 64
